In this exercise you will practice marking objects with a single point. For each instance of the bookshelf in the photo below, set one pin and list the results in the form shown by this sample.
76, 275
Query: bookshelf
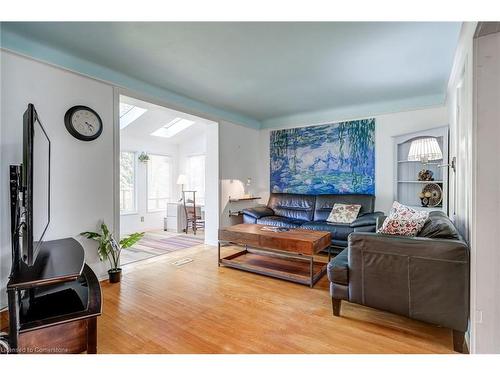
406, 184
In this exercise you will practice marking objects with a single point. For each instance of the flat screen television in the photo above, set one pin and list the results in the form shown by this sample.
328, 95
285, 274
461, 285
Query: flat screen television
34, 205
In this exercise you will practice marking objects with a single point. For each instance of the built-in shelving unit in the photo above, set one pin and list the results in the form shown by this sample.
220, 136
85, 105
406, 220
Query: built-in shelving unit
406, 184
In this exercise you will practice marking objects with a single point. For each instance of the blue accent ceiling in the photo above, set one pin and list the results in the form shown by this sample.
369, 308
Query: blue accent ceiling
257, 74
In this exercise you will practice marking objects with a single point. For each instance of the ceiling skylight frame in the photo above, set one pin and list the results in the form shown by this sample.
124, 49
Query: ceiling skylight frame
129, 113
174, 127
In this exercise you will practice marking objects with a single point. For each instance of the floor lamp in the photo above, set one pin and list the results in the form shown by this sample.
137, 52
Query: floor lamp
182, 180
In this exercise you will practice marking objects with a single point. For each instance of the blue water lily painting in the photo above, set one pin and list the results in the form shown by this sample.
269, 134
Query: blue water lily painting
336, 158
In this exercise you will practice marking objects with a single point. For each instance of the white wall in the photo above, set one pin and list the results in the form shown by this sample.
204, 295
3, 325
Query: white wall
387, 127
459, 99
459, 102
212, 175
486, 197
82, 178
239, 159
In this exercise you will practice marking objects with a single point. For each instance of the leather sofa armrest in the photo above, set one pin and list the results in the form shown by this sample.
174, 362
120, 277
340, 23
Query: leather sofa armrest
338, 269
423, 247
369, 219
380, 221
258, 212
338, 274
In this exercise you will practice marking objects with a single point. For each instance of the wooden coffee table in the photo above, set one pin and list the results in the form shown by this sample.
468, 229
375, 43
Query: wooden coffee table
284, 255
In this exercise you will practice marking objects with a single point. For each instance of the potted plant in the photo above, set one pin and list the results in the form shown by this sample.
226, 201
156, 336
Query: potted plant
143, 157
109, 249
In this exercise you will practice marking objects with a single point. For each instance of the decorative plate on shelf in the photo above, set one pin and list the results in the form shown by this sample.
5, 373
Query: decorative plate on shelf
433, 193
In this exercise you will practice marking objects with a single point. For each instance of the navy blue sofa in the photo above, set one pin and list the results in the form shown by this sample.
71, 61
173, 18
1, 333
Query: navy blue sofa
311, 212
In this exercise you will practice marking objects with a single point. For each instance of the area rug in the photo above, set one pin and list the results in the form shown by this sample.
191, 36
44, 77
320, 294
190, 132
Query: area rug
154, 244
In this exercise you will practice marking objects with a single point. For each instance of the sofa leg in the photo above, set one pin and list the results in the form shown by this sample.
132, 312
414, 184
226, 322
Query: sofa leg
458, 341
336, 303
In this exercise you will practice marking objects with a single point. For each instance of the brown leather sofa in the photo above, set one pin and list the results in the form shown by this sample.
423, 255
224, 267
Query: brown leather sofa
424, 277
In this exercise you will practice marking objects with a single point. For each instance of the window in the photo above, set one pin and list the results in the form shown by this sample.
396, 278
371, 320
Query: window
173, 127
196, 176
127, 182
159, 182
129, 113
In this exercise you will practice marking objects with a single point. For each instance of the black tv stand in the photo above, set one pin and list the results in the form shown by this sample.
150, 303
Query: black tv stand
54, 304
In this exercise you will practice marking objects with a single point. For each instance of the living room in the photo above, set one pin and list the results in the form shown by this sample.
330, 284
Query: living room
333, 177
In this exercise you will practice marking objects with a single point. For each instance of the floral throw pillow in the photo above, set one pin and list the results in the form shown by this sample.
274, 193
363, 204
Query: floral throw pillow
404, 221
344, 213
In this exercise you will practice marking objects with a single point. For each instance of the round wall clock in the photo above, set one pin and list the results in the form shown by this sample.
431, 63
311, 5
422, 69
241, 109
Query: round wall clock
83, 123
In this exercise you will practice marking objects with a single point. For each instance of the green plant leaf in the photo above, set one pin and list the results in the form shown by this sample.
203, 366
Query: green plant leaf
130, 240
104, 229
102, 251
91, 235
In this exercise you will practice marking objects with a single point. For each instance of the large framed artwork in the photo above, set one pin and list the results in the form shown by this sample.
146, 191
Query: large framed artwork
336, 158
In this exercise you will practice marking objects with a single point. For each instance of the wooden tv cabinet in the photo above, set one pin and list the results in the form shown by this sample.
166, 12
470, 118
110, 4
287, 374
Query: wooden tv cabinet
54, 304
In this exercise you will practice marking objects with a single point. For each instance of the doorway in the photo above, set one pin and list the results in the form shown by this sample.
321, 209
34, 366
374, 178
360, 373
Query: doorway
167, 178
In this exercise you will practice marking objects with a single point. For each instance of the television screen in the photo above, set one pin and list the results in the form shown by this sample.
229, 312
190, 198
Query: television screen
36, 184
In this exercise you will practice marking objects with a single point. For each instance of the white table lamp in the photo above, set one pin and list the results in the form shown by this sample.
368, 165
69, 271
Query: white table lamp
424, 149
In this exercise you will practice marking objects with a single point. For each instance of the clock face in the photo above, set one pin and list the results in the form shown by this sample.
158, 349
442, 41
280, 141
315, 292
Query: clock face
83, 123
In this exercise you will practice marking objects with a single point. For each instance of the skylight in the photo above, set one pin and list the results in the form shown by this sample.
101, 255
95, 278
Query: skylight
129, 113
173, 127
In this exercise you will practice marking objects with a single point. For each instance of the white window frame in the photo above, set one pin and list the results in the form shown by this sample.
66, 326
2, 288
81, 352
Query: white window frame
135, 211
147, 183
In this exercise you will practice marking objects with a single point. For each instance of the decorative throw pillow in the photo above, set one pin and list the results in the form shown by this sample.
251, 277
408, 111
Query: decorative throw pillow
344, 213
404, 221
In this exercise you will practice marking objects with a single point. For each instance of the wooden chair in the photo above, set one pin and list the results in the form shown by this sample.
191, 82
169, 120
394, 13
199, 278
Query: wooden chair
193, 213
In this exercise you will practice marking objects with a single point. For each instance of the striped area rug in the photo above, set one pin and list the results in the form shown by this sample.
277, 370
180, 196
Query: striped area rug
153, 244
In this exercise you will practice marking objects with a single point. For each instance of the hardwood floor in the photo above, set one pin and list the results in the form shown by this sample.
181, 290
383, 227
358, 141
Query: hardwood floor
201, 308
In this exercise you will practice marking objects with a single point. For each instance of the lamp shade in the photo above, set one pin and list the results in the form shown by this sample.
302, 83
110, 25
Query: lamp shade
424, 149
182, 180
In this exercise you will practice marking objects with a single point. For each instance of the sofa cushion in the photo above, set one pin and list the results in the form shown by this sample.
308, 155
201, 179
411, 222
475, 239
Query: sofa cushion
338, 269
324, 203
258, 212
280, 221
339, 231
438, 225
344, 213
293, 206
404, 221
